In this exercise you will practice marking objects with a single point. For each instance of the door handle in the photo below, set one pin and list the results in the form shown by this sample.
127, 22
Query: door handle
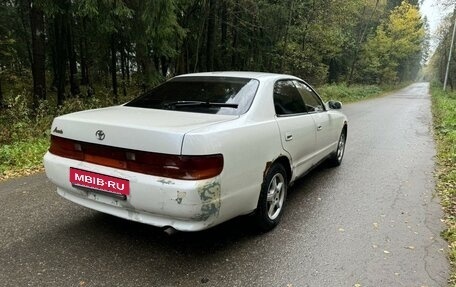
319, 128
288, 137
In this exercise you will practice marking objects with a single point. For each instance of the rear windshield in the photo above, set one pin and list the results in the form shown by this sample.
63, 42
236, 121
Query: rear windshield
212, 95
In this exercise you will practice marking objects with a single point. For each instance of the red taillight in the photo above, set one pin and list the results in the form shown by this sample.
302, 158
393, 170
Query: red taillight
66, 148
187, 167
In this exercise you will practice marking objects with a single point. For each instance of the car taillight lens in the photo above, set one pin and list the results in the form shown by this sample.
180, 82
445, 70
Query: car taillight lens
66, 148
188, 167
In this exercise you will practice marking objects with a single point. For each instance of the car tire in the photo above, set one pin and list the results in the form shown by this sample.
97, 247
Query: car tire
338, 155
272, 198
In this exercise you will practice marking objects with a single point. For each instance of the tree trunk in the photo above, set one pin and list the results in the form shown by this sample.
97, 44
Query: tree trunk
156, 61
210, 46
113, 67
61, 56
127, 65
74, 86
24, 6
224, 26
83, 54
200, 42
144, 64
358, 45
234, 45
164, 66
221, 60
123, 63
1, 95
285, 40
38, 54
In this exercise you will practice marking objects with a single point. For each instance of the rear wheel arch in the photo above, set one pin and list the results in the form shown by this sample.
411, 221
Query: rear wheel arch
284, 162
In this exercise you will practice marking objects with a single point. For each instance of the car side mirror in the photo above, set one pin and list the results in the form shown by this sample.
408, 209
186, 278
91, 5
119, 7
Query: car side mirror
335, 105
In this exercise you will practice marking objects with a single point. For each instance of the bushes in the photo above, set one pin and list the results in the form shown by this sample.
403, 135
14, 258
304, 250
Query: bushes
25, 130
22, 156
342, 92
19, 121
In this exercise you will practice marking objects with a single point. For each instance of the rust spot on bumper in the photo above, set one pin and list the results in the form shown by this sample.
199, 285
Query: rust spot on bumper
209, 194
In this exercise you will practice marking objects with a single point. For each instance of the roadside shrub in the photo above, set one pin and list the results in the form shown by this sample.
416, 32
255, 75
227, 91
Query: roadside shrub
15, 119
20, 156
344, 93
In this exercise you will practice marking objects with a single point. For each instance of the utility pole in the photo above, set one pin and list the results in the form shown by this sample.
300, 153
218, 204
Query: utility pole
451, 51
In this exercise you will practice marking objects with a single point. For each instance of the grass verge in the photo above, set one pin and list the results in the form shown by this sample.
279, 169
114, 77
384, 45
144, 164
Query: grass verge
444, 111
22, 158
354, 93
345, 94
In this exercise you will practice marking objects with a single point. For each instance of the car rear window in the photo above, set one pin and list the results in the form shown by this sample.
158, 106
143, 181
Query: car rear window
212, 95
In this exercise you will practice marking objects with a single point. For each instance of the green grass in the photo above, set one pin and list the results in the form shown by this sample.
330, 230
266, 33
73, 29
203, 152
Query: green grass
22, 157
444, 111
345, 94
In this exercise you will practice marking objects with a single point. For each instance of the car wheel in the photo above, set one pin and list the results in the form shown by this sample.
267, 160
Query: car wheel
272, 198
338, 155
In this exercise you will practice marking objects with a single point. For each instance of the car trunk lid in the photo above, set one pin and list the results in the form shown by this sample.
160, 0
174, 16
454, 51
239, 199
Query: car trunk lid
153, 130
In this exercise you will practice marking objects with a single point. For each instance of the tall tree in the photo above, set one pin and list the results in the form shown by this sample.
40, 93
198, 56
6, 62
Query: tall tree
439, 60
60, 48
394, 53
210, 46
38, 52
113, 67
366, 21
72, 59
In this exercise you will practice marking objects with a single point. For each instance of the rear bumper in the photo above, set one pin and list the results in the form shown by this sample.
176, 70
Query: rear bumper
182, 204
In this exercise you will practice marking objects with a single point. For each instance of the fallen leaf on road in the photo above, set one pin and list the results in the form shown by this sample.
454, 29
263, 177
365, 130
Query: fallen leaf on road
375, 225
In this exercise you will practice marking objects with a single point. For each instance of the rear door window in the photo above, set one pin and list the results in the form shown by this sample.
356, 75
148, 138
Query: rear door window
287, 100
312, 101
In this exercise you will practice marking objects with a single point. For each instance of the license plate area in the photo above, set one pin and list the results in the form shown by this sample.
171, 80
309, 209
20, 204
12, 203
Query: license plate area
99, 182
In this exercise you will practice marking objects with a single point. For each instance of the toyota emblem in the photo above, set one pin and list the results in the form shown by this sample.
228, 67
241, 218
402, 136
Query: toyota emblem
100, 135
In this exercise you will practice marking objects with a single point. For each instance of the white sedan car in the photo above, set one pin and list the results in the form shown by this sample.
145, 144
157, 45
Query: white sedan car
197, 150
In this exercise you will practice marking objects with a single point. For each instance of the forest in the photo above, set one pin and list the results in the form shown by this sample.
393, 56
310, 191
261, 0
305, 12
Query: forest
438, 63
62, 56
66, 49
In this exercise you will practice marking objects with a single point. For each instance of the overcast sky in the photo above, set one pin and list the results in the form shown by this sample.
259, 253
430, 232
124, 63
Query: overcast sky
435, 15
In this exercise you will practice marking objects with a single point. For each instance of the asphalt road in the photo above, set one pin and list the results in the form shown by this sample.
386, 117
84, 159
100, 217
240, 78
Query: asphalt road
374, 221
